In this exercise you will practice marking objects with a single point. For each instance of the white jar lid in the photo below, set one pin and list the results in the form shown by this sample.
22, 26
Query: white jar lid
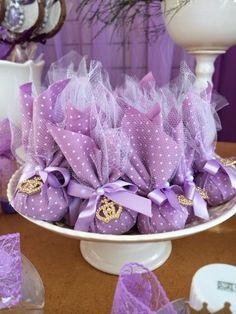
215, 285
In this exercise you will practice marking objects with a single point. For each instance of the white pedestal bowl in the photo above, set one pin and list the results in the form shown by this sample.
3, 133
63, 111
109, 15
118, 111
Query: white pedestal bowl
109, 253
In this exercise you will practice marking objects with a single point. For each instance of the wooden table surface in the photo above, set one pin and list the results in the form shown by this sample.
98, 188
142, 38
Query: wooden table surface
73, 286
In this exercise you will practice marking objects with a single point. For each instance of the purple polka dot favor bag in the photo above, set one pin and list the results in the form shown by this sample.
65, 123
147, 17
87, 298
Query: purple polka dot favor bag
155, 156
193, 197
97, 151
108, 204
40, 192
154, 159
215, 176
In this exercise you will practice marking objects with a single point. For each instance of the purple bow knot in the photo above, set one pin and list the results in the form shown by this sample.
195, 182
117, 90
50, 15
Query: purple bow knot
214, 165
47, 175
100, 191
120, 192
160, 195
199, 205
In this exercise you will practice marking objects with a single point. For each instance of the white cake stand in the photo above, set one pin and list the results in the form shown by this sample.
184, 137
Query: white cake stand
109, 253
205, 28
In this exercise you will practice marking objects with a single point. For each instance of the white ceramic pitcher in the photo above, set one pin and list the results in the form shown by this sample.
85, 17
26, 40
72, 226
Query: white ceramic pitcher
12, 76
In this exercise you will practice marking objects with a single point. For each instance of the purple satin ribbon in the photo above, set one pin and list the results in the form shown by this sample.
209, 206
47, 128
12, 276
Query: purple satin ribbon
199, 204
213, 166
47, 175
159, 196
120, 192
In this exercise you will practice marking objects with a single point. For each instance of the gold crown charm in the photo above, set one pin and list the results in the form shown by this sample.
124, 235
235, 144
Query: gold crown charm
108, 211
203, 193
228, 162
184, 201
31, 186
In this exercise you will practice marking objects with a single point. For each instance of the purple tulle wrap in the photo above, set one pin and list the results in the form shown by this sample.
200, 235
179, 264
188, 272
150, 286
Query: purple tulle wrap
10, 271
44, 159
139, 292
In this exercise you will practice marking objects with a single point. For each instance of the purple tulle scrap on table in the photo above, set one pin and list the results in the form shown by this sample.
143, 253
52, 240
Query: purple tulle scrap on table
139, 292
10, 271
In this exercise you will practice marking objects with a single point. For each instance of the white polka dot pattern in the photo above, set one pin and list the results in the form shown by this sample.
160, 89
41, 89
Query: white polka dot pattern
26, 102
164, 219
218, 187
44, 111
76, 120
95, 166
50, 204
155, 155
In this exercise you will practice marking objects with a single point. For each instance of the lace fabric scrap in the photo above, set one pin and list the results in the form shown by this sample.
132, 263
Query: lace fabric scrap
10, 271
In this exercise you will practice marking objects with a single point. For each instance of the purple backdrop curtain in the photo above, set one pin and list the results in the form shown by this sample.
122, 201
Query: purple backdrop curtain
123, 53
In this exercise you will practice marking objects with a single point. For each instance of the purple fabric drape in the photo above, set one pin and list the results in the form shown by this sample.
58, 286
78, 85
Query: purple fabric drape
131, 54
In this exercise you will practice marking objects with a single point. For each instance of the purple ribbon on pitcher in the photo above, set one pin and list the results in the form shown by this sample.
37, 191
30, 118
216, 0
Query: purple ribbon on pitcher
47, 175
199, 205
120, 192
214, 165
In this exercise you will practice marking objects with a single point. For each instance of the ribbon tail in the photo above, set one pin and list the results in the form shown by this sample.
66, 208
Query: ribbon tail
132, 201
87, 214
232, 175
73, 211
200, 207
44, 176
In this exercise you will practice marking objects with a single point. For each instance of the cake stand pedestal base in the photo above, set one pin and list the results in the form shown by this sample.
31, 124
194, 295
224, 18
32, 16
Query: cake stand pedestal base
110, 257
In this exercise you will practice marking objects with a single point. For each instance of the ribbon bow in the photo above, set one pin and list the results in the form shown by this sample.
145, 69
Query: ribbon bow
166, 193
120, 192
47, 175
214, 165
199, 205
